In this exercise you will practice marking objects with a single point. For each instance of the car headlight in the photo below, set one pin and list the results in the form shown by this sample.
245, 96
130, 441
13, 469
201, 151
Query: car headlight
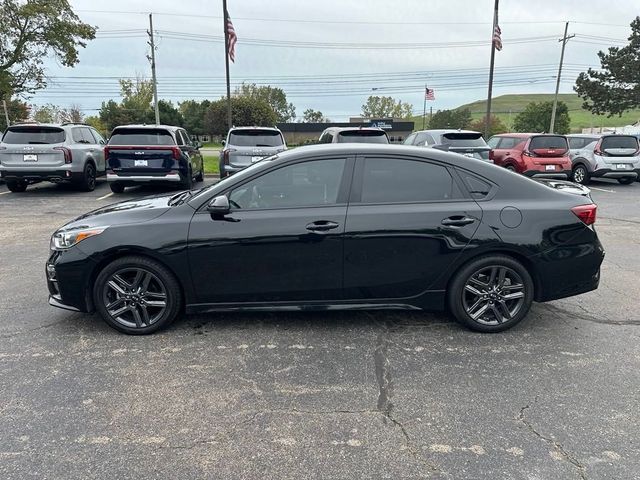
66, 239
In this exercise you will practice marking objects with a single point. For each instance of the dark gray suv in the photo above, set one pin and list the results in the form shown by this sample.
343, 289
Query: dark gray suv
36, 152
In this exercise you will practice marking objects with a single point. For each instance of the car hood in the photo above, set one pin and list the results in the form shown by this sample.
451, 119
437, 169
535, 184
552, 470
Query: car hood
131, 211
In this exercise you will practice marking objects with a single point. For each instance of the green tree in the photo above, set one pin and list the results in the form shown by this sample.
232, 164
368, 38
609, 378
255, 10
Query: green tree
244, 111
193, 113
169, 115
273, 96
536, 118
458, 118
314, 116
96, 123
31, 31
386, 107
17, 111
495, 125
615, 87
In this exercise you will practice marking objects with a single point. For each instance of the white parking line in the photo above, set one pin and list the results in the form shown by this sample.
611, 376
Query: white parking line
602, 189
105, 196
4, 193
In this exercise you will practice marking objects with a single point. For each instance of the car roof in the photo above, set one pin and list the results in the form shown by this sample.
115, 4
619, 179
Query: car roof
343, 129
441, 131
54, 125
171, 128
583, 135
274, 129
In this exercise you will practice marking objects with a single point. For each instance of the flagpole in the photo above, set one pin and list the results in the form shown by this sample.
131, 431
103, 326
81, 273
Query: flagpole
226, 62
487, 123
424, 108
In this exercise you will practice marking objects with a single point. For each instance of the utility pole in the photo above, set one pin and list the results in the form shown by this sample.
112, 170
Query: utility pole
225, 19
487, 125
564, 41
6, 112
153, 69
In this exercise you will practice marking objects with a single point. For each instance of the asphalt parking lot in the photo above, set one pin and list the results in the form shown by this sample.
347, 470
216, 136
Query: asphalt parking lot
317, 395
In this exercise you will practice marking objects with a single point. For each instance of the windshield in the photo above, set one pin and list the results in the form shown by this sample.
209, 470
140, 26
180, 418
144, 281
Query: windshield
463, 139
141, 136
255, 138
555, 142
33, 135
362, 136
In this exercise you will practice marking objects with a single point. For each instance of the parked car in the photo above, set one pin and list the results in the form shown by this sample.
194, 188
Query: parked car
36, 152
247, 145
532, 154
353, 135
347, 226
157, 154
609, 156
465, 142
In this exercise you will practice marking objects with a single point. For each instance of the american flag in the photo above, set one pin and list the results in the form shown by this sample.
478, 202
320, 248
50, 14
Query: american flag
497, 40
428, 94
231, 39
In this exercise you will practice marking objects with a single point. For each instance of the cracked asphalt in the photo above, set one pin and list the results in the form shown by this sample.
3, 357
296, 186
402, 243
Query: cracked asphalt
317, 395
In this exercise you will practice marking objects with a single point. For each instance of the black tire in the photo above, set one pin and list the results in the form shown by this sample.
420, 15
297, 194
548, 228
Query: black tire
16, 186
116, 187
200, 176
511, 168
626, 180
162, 286
88, 181
516, 279
187, 184
580, 175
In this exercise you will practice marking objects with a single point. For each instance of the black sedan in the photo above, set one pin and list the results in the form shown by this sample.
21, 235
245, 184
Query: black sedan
348, 226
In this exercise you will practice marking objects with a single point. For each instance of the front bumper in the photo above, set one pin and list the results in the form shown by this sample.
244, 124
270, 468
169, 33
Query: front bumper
611, 173
132, 178
68, 275
557, 174
32, 176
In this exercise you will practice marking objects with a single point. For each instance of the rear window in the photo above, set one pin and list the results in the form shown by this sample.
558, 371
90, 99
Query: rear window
362, 136
619, 142
549, 141
255, 138
141, 136
462, 139
33, 135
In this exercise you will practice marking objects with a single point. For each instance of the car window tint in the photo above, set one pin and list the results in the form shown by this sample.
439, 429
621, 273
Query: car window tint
97, 137
478, 187
304, 184
141, 136
409, 139
548, 141
362, 136
619, 142
255, 138
389, 180
493, 142
33, 135
424, 138
76, 135
87, 136
508, 142
463, 139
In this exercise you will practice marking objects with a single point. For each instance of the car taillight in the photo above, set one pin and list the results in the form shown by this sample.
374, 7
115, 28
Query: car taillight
597, 150
106, 153
177, 153
225, 155
586, 213
66, 152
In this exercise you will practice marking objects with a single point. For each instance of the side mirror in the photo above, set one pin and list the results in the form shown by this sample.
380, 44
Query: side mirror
219, 206
198, 145
224, 142
444, 148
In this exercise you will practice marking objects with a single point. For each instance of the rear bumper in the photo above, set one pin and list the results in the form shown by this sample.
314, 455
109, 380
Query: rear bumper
54, 175
233, 168
124, 178
557, 174
610, 173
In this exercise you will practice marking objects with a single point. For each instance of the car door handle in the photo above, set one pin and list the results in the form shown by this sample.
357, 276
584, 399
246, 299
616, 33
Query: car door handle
457, 221
321, 226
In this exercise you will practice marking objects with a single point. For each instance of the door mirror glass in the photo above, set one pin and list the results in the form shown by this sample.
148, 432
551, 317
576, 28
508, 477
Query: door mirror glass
224, 142
219, 205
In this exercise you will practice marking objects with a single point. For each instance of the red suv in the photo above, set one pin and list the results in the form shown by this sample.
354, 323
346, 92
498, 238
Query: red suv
533, 155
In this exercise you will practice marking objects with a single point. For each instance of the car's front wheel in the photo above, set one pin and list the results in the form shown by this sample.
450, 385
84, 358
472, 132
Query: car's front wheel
626, 180
491, 294
16, 186
137, 295
580, 175
116, 187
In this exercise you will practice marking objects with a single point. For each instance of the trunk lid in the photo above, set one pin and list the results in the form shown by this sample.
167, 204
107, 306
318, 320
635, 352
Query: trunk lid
32, 147
141, 159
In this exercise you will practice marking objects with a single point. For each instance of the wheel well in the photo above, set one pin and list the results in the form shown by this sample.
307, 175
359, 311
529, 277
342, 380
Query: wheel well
580, 162
537, 286
125, 252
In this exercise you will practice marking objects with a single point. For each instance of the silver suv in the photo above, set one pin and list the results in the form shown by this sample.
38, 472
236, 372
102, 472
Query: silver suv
247, 145
610, 156
36, 152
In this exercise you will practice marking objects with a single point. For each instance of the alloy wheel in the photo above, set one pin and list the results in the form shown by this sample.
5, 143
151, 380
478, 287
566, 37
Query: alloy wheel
135, 297
493, 295
579, 175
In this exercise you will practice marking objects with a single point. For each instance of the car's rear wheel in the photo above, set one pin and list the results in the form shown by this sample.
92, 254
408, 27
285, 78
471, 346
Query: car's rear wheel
187, 184
626, 180
116, 187
88, 181
16, 186
511, 168
580, 174
137, 295
200, 176
491, 294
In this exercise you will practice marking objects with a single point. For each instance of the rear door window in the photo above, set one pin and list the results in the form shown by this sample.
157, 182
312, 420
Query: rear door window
141, 136
555, 142
362, 136
424, 139
493, 142
87, 136
255, 138
576, 143
508, 142
33, 135
393, 180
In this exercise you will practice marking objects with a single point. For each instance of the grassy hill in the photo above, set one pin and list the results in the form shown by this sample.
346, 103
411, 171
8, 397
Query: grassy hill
508, 106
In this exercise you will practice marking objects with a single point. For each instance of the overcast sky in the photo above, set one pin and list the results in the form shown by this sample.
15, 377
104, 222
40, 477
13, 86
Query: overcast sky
441, 43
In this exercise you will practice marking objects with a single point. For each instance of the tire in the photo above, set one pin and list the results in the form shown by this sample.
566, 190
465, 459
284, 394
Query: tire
511, 168
200, 176
88, 181
626, 180
464, 304
116, 187
188, 182
580, 175
118, 288
16, 186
